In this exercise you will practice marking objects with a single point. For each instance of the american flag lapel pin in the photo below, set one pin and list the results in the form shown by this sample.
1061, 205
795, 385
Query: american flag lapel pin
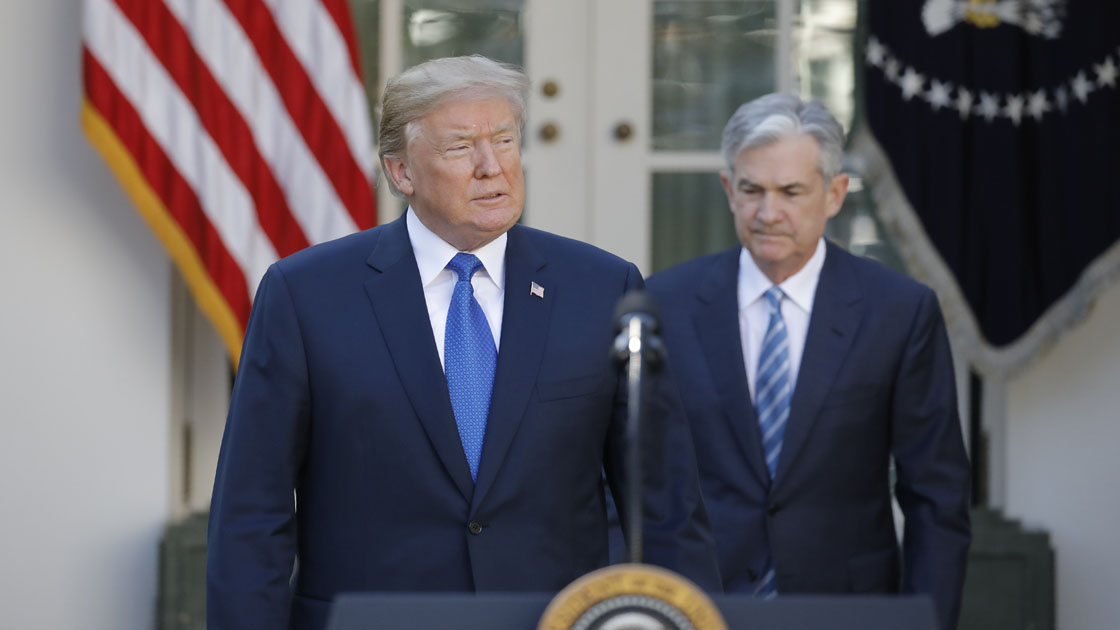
537, 290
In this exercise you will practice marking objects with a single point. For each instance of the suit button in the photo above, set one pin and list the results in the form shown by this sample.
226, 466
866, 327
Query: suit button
751, 575
475, 528
773, 510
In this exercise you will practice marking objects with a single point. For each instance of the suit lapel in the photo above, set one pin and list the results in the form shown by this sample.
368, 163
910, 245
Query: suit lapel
398, 303
525, 326
837, 308
717, 325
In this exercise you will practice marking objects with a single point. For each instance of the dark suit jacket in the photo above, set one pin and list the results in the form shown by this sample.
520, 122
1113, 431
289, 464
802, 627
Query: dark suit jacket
340, 397
876, 381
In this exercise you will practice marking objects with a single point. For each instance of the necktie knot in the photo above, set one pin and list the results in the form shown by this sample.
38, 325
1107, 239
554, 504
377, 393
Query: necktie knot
465, 265
774, 295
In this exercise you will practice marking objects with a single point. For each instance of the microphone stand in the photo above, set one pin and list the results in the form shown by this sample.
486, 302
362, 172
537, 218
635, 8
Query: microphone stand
639, 350
634, 382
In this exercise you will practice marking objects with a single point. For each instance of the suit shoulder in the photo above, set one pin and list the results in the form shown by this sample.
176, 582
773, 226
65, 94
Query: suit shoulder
570, 250
328, 256
878, 279
685, 276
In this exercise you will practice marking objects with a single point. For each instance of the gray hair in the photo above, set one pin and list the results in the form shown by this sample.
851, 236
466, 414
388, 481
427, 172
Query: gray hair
773, 117
421, 89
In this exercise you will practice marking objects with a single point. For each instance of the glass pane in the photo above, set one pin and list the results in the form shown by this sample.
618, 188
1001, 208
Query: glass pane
859, 231
449, 28
824, 40
690, 218
824, 56
708, 58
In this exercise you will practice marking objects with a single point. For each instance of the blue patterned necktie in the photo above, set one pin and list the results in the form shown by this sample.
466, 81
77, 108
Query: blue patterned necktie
773, 386
469, 359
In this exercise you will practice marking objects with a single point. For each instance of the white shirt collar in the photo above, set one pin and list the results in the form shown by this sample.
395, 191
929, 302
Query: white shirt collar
800, 288
433, 253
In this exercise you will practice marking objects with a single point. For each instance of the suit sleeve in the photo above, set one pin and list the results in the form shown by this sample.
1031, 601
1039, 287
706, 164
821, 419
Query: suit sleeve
676, 531
251, 540
932, 484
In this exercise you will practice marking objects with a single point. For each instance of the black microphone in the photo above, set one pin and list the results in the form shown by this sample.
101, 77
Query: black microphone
637, 327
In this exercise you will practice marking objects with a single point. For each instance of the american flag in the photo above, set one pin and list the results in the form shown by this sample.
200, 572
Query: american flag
239, 128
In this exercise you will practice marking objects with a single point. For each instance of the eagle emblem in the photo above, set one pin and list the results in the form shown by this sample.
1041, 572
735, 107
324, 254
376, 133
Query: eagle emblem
1042, 18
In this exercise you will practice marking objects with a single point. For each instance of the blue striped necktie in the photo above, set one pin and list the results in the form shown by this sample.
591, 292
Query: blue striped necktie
773, 386
469, 358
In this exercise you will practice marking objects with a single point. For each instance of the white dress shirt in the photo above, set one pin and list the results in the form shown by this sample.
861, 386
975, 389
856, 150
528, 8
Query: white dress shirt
797, 306
432, 255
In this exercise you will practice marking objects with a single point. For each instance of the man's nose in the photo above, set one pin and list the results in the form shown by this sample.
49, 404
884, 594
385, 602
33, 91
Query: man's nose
768, 210
486, 162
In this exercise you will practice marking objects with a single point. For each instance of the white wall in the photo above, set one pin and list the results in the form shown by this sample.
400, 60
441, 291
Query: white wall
1063, 426
84, 352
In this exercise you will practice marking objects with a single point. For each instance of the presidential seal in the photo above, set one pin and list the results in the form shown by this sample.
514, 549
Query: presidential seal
631, 597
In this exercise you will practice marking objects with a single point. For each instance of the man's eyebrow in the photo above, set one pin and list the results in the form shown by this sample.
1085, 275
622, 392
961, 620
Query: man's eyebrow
467, 134
744, 181
455, 136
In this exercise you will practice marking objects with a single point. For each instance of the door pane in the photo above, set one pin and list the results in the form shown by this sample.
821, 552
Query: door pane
449, 28
824, 40
367, 22
690, 218
708, 58
824, 55
858, 229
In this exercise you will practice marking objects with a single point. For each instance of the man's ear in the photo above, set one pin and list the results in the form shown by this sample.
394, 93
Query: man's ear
725, 180
399, 174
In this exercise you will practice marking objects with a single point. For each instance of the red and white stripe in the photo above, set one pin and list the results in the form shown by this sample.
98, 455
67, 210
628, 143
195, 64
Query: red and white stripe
240, 127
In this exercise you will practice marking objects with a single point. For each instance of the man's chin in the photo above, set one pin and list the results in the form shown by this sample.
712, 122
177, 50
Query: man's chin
499, 218
486, 227
768, 250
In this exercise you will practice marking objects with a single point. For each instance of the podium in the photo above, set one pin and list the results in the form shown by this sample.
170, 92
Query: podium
495, 611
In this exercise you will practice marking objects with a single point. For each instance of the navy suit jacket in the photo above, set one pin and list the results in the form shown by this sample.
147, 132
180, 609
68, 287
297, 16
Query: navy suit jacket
875, 381
341, 447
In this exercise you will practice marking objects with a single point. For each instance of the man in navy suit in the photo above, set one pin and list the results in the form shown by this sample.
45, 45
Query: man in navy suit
804, 371
389, 440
